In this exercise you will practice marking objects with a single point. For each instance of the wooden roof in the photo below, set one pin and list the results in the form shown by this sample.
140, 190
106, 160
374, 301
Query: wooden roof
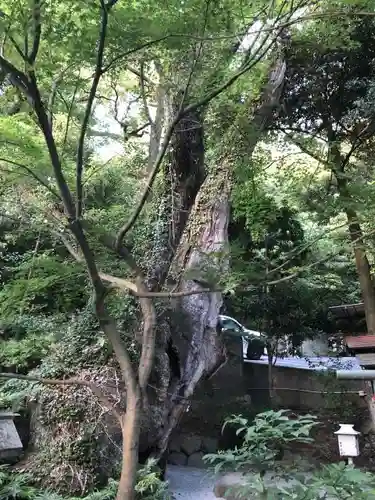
360, 342
347, 310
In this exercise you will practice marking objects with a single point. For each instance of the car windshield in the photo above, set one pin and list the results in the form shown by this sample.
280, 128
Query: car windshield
229, 324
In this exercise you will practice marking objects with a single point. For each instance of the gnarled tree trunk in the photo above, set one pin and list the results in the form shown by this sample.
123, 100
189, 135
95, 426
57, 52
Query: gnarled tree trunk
193, 322
189, 348
183, 175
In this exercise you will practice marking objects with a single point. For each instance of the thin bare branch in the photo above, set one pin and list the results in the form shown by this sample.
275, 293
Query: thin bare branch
18, 48
119, 137
111, 3
138, 73
64, 382
205, 100
298, 251
196, 56
52, 96
120, 283
32, 174
143, 94
95, 82
318, 262
124, 285
304, 149
69, 117
132, 51
150, 181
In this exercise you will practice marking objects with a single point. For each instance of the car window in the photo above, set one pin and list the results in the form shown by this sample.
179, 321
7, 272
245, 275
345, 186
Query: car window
228, 324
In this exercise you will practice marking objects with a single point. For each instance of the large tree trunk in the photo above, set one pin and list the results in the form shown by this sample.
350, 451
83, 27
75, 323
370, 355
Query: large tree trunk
192, 321
356, 236
363, 270
183, 175
189, 347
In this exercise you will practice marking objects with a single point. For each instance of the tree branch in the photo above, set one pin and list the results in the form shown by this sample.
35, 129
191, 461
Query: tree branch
143, 94
95, 82
22, 55
134, 216
71, 381
316, 263
295, 253
196, 57
111, 3
52, 96
34, 175
37, 26
150, 181
52, 149
69, 117
131, 51
303, 148
120, 283
17, 78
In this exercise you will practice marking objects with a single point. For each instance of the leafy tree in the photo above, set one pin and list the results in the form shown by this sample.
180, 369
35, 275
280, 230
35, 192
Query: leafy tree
327, 113
51, 78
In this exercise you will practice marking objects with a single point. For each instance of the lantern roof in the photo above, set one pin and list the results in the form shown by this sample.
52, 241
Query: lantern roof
347, 430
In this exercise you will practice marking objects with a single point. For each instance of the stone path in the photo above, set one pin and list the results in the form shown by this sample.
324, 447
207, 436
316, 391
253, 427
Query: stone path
187, 483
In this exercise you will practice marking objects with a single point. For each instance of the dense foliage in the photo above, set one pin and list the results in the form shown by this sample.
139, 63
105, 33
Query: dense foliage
258, 454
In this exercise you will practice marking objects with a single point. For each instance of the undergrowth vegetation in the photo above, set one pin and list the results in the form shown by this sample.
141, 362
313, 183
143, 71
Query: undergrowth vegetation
266, 477
19, 486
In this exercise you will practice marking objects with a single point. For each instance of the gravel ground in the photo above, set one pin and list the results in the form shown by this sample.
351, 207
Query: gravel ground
186, 483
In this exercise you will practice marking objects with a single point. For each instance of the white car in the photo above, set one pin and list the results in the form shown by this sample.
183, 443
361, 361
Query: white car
234, 327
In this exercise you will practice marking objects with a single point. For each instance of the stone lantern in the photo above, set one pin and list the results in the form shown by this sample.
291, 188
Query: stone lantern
10, 442
348, 442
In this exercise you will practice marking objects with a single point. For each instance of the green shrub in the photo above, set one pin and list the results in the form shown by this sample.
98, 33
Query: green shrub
24, 355
149, 485
261, 439
43, 284
334, 481
17, 486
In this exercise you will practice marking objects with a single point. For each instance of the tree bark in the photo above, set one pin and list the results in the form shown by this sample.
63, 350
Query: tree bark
356, 235
190, 325
183, 175
363, 270
130, 444
193, 322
